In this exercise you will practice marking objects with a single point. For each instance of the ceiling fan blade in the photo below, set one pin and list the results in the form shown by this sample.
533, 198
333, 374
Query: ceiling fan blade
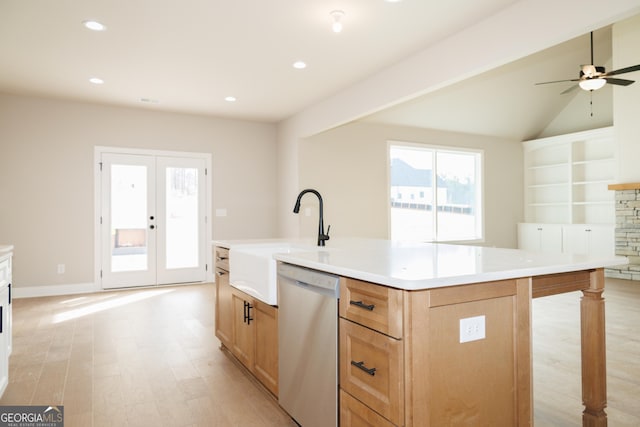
558, 81
571, 89
620, 82
623, 70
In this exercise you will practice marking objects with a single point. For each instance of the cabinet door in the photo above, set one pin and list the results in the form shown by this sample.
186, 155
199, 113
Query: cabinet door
575, 239
224, 308
589, 239
602, 240
243, 329
540, 237
5, 331
266, 345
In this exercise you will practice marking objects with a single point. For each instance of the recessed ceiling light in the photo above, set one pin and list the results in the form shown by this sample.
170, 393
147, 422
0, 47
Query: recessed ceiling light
393, 1
299, 65
94, 25
96, 80
149, 100
230, 98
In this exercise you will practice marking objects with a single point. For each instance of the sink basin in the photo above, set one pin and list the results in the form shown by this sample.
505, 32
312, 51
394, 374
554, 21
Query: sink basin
252, 268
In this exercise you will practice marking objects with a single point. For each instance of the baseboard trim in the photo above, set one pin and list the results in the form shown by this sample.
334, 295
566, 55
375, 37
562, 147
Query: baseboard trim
53, 290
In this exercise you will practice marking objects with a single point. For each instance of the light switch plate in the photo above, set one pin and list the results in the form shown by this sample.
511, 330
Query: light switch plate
472, 329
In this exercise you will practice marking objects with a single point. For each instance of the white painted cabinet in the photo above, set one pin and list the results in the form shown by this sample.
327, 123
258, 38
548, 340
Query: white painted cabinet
5, 318
589, 239
585, 239
540, 237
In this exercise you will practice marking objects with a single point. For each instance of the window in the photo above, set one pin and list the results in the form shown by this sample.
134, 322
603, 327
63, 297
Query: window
435, 193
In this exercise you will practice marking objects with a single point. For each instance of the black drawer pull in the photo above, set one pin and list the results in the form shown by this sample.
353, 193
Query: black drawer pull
360, 365
360, 304
221, 273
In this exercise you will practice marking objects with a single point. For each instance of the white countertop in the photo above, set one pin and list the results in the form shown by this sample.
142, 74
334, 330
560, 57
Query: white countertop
414, 266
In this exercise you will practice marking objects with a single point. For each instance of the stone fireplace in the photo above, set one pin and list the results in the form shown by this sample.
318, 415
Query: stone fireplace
627, 206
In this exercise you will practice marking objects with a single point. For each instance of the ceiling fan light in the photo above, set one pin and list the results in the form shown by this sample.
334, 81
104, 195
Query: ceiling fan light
592, 84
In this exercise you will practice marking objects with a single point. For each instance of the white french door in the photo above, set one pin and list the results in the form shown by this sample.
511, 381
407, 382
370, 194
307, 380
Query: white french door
153, 220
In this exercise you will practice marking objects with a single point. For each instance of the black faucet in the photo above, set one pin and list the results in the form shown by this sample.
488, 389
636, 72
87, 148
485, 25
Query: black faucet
296, 209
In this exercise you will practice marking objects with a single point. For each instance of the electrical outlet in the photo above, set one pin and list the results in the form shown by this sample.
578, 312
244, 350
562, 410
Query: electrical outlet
472, 329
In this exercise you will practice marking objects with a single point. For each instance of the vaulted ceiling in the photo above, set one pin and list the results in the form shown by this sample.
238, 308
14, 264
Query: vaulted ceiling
505, 102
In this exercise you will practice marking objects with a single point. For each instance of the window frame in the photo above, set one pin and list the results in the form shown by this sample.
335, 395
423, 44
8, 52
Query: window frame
479, 177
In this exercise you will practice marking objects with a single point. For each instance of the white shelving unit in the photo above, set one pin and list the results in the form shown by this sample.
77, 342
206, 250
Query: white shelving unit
566, 179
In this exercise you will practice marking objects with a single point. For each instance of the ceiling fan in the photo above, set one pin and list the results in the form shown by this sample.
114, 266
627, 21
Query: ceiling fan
594, 77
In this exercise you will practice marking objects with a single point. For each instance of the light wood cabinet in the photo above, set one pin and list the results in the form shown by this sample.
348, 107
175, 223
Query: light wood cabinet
246, 326
429, 376
242, 345
356, 414
266, 345
224, 316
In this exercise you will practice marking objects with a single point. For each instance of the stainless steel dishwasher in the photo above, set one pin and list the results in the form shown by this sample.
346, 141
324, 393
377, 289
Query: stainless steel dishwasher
308, 345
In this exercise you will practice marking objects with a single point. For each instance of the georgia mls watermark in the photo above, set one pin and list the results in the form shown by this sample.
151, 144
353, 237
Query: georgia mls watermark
31, 416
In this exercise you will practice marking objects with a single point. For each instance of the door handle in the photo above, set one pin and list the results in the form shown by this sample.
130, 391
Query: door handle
152, 226
247, 313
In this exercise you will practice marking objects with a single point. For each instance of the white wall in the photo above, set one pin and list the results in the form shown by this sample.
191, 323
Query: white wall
348, 166
527, 26
46, 177
626, 100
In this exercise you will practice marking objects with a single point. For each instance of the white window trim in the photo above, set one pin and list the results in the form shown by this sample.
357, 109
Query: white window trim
479, 176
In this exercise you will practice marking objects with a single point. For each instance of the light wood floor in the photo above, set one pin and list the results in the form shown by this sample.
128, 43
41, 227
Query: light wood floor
132, 358
149, 358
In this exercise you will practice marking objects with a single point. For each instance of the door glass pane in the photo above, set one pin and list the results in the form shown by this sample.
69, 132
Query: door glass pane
182, 218
129, 250
412, 201
457, 196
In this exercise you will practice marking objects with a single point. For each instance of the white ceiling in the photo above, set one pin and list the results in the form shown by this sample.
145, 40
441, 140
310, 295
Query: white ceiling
505, 102
188, 55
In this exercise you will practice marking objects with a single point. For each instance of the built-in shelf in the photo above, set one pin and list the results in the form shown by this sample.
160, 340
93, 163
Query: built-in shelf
568, 178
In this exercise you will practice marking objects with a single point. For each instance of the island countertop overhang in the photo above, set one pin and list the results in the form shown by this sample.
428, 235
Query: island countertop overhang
419, 266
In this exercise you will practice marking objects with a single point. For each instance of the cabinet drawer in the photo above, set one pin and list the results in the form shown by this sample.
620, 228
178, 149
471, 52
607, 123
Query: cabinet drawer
375, 306
354, 413
371, 369
221, 258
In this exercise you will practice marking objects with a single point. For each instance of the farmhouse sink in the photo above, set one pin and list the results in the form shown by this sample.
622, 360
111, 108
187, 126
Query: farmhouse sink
252, 268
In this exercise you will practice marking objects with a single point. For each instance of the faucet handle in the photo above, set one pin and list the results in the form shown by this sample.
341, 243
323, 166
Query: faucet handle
325, 236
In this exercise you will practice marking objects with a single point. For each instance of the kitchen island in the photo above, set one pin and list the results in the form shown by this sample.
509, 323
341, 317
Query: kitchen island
435, 334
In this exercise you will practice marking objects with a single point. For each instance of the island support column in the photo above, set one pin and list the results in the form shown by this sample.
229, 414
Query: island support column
594, 366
